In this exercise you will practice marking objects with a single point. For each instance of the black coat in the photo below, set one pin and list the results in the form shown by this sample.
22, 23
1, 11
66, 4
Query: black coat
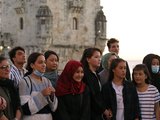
74, 107
8, 86
97, 103
130, 100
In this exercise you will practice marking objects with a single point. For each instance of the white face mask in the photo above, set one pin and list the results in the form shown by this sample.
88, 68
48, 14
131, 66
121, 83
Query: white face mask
155, 68
38, 73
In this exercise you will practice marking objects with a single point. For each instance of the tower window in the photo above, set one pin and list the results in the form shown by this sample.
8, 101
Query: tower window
75, 24
21, 23
43, 21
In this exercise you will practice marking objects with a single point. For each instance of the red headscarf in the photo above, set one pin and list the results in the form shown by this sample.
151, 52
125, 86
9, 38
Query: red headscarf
66, 84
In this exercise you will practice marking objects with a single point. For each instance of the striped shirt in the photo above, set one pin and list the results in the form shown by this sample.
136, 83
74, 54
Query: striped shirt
33, 101
16, 74
147, 102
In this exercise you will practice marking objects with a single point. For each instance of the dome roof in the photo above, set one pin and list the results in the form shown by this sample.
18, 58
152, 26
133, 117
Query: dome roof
44, 11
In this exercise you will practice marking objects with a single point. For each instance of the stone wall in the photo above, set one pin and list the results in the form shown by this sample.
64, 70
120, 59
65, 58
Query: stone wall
65, 26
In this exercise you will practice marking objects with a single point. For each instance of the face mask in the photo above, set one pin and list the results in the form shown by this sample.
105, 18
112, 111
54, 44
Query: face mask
36, 72
155, 68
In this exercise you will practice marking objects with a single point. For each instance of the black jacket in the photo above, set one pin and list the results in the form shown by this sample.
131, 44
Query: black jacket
74, 107
97, 103
130, 99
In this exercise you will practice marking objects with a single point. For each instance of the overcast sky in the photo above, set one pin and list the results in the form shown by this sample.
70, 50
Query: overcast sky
136, 24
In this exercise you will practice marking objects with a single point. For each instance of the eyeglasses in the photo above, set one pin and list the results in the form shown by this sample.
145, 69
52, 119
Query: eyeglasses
4, 67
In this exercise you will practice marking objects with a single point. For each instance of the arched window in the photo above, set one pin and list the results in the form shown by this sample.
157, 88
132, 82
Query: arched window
75, 24
21, 23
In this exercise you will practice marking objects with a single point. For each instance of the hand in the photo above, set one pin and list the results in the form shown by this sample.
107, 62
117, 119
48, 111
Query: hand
107, 114
18, 115
3, 117
48, 91
3, 103
52, 89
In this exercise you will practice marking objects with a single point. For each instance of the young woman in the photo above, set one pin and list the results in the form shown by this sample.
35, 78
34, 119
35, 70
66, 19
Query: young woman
148, 94
152, 61
119, 94
9, 93
91, 60
106, 62
52, 60
36, 92
73, 94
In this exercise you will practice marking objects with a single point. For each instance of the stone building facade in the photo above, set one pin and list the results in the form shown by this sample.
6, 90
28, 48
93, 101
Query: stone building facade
65, 26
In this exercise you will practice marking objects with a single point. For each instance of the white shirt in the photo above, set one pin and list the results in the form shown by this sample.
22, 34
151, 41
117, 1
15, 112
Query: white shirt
120, 105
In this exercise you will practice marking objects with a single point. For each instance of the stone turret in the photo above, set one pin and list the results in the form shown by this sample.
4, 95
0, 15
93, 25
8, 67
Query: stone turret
65, 26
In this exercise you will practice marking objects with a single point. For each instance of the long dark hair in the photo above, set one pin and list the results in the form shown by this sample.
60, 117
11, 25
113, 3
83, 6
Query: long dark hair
145, 70
31, 60
88, 53
147, 60
114, 64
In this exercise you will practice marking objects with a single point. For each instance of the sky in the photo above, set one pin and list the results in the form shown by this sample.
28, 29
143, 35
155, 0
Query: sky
136, 24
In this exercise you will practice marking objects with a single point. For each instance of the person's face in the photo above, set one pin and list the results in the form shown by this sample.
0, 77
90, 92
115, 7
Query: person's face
19, 57
52, 62
114, 47
120, 70
110, 60
40, 64
95, 60
139, 76
4, 69
78, 75
155, 62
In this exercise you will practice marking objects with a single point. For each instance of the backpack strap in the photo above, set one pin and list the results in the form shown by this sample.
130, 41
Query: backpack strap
29, 83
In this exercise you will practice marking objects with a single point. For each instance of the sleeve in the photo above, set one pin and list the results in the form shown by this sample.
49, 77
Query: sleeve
31, 103
13, 77
85, 115
105, 96
61, 112
96, 97
136, 103
53, 103
157, 95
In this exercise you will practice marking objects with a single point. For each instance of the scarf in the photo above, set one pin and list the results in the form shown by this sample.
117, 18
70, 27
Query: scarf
66, 84
15, 101
52, 76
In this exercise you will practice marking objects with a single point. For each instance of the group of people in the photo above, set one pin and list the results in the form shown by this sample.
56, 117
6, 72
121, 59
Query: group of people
97, 87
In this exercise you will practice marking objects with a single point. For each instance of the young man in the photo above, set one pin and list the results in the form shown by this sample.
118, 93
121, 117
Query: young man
17, 71
113, 46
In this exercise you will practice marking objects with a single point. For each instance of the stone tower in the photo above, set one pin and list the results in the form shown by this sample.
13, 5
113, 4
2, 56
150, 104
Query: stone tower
65, 26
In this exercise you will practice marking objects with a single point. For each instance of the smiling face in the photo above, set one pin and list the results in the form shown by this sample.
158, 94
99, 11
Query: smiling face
78, 75
4, 69
114, 47
39, 64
